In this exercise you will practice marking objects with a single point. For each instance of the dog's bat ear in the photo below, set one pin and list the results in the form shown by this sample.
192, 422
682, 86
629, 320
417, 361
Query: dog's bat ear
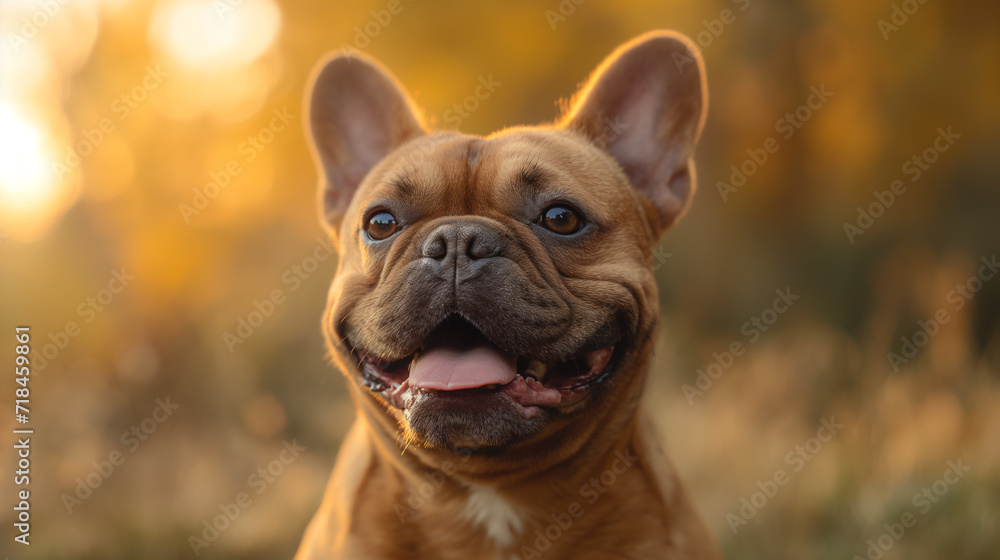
358, 114
645, 105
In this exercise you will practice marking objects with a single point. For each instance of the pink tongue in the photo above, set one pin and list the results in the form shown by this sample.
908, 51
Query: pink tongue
451, 369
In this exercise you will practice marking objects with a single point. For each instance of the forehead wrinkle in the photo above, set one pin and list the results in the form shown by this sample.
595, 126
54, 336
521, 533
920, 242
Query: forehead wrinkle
531, 178
520, 170
459, 166
448, 162
412, 172
473, 157
426, 168
403, 185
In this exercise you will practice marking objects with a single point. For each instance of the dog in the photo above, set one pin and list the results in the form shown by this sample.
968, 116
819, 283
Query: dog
494, 310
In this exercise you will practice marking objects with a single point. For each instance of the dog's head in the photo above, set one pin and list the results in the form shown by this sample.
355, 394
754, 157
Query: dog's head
497, 293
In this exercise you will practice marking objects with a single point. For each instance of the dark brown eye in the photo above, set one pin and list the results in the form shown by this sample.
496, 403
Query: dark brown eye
561, 220
381, 225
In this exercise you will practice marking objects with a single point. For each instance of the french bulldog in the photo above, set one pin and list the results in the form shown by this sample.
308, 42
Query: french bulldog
494, 310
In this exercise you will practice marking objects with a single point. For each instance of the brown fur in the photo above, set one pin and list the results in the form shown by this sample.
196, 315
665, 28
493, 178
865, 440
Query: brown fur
440, 481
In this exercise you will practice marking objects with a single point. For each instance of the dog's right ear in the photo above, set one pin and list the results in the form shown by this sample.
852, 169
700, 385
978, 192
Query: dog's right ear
358, 114
645, 105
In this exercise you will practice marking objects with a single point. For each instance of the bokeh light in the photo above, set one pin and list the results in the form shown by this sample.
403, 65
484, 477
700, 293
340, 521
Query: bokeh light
210, 35
31, 197
217, 55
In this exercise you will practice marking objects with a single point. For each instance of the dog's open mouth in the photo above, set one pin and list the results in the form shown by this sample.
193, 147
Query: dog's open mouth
458, 359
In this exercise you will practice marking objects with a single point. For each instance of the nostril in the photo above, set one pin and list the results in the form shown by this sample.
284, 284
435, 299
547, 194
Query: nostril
465, 242
436, 247
482, 247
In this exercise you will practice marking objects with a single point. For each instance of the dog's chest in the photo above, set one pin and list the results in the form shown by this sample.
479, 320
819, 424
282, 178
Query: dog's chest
494, 514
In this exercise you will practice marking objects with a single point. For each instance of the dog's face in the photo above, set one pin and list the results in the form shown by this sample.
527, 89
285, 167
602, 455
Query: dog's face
496, 292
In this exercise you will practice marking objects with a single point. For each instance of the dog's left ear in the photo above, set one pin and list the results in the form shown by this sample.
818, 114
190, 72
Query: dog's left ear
645, 104
358, 114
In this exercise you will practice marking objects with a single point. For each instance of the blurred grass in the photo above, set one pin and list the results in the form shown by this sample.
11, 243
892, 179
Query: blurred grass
827, 356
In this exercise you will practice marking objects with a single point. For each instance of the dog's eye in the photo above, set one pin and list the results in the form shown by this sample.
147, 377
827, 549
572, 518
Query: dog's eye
561, 220
381, 225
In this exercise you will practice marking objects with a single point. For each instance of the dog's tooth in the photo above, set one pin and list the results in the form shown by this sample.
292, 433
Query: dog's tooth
536, 369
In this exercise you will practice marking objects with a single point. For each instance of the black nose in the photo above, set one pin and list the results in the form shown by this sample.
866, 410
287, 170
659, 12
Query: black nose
460, 249
462, 240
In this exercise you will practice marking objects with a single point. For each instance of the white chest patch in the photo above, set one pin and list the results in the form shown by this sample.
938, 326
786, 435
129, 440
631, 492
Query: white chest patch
488, 509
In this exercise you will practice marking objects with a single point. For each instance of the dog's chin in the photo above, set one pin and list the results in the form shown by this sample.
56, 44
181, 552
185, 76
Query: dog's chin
457, 389
469, 419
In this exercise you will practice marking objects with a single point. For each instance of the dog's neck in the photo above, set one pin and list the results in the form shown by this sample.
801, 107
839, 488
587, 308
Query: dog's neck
502, 510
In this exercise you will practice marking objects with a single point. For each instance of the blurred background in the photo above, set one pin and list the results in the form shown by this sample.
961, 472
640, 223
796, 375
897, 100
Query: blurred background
156, 189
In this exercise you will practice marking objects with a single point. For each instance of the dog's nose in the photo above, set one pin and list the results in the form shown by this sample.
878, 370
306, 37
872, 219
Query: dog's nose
461, 242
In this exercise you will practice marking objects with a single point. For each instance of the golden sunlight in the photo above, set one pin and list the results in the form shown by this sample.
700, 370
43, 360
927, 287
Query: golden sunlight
30, 196
219, 54
211, 36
